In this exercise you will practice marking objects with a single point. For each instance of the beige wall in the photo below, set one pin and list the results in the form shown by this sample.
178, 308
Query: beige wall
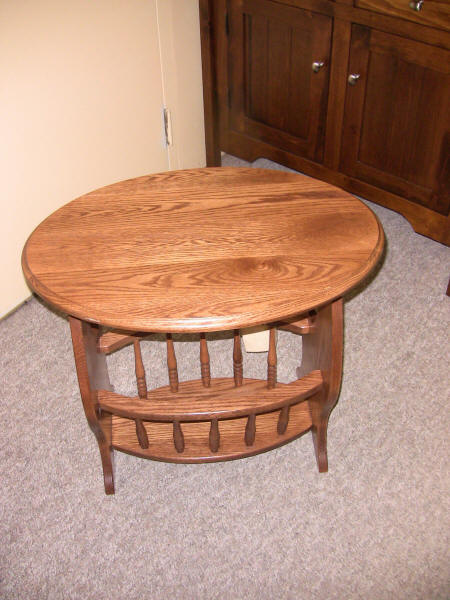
182, 80
82, 88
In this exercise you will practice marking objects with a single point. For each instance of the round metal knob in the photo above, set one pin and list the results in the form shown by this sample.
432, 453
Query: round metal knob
317, 65
353, 78
416, 5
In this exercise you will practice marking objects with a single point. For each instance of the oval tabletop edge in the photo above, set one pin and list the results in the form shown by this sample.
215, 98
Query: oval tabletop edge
202, 250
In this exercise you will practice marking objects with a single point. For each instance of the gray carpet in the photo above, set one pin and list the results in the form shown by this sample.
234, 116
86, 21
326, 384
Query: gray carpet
268, 527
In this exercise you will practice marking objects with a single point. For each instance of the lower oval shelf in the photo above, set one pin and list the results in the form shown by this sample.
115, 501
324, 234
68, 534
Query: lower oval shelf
196, 436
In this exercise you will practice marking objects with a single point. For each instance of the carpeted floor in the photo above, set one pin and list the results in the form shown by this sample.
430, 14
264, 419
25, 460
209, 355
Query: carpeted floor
268, 527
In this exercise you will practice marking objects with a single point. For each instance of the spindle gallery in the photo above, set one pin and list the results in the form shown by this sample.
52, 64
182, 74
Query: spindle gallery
203, 400
195, 252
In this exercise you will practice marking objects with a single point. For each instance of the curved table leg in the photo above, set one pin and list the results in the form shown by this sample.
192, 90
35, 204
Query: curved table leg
92, 376
323, 349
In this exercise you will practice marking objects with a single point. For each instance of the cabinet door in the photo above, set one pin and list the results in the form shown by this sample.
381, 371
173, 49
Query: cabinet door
397, 120
277, 95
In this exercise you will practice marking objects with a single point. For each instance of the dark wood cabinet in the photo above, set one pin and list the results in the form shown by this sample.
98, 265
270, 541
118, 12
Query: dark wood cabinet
356, 93
275, 95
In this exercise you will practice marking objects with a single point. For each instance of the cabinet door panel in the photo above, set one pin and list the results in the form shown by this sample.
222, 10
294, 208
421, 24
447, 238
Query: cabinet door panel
396, 122
275, 94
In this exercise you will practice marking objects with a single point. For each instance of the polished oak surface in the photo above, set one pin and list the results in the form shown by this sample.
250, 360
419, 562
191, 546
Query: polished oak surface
199, 250
202, 250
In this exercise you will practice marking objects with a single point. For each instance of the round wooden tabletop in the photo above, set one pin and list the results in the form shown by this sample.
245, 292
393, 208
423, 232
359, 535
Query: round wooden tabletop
202, 250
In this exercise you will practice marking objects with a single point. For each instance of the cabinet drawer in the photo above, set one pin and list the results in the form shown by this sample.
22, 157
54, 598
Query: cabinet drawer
435, 13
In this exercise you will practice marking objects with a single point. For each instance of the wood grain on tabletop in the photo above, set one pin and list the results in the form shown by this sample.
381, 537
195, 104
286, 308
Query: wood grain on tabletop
202, 249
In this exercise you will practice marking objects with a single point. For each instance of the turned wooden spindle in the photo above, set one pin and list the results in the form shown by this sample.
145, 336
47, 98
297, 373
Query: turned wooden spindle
172, 364
141, 434
204, 361
272, 360
237, 359
283, 420
214, 436
178, 437
140, 371
250, 430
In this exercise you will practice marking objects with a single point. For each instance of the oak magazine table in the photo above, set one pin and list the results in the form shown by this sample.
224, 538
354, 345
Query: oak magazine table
200, 251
